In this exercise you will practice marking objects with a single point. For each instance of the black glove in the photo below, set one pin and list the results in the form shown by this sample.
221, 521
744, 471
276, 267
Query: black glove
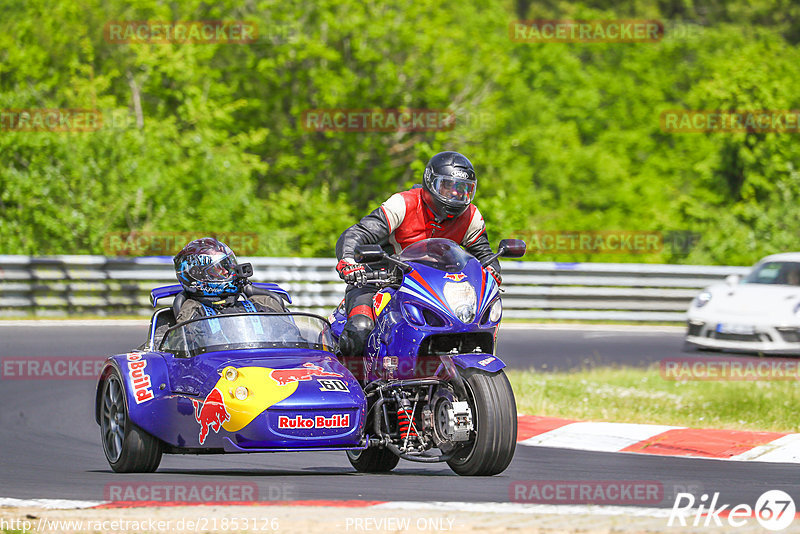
352, 272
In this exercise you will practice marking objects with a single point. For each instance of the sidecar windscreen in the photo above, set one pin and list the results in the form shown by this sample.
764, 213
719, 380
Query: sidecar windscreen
248, 331
441, 254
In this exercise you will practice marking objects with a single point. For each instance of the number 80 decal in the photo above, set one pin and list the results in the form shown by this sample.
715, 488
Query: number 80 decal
332, 385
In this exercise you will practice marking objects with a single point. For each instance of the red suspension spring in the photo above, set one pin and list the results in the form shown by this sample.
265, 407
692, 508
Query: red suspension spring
404, 423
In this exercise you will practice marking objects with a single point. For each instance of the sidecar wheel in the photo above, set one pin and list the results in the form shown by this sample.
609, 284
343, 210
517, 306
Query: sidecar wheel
494, 416
128, 448
373, 460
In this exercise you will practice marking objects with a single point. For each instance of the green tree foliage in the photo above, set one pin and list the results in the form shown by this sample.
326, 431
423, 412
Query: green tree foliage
565, 136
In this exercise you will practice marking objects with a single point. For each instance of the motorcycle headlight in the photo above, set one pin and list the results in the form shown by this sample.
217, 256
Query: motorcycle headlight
496, 311
460, 296
702, 299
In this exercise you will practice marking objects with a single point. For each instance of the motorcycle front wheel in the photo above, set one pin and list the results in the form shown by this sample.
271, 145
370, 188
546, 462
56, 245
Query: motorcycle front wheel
494, 417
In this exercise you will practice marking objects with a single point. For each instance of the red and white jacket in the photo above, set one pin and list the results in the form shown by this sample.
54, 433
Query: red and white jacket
404, 219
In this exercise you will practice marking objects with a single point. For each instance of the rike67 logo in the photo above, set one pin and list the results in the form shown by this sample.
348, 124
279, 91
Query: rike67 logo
774, 510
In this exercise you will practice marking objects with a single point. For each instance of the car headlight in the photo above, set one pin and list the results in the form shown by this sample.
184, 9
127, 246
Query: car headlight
496, 311
797, 309
231, 374
702, 299
460, 296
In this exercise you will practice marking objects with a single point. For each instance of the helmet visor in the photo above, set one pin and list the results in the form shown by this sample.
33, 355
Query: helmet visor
220, 270
452, 189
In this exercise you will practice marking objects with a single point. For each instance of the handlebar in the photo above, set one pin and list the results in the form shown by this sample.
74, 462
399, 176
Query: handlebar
382, 277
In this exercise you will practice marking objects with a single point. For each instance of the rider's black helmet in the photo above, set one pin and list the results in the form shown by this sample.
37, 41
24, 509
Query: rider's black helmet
208, 268
448, 185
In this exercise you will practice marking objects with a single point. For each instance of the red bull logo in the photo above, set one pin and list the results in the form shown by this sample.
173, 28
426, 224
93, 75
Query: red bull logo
379, 302
301, 374
211, 414
455, 277
320, 421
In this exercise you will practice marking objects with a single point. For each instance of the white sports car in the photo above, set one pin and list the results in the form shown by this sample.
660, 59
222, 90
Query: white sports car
759, 313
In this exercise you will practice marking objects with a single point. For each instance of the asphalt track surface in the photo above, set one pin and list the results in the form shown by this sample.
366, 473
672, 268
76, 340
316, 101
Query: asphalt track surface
50, 445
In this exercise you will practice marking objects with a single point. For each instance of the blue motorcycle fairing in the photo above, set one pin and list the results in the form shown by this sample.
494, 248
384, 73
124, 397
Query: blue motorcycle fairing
477, 360
398, 330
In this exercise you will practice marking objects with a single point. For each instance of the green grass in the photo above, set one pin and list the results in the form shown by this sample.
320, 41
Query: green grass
629, 395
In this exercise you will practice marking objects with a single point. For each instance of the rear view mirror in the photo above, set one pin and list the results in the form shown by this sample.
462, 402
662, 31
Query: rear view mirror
368, 253
512, 248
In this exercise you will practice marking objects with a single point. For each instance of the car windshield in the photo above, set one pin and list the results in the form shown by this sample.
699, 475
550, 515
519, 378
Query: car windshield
441, 254
775, 272
248, 331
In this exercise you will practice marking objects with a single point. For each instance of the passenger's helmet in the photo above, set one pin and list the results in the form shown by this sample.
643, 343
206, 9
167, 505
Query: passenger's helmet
448, 185
207, 268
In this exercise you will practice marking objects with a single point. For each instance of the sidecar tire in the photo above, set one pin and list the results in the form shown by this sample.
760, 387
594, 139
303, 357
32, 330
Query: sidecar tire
128, 448
373, 460
494, 415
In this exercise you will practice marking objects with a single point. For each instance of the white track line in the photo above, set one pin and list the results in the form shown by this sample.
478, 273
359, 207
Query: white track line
481, 507
785, 449
601, 437
51, 504
526, 508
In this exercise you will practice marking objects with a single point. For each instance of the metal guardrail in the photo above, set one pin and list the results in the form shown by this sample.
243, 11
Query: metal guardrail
99, 285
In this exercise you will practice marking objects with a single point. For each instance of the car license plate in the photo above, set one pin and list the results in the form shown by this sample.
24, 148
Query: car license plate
733, 328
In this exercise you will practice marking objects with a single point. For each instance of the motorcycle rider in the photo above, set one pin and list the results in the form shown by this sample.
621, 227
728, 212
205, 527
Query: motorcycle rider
213, 282
442, 207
